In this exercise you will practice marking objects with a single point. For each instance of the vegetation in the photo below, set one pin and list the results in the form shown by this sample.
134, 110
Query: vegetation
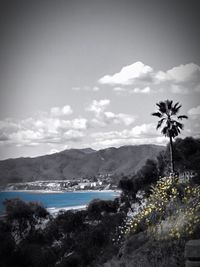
123, 232
73, 238
167, 114
156, 235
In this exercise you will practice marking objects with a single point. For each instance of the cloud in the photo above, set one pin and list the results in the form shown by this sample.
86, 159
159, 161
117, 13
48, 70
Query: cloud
140, 134
57, 111
180, 74
95, 88
137, 90
178, 89
194, 111
53, 151
98, 106
110, 117
104, 118
128, 74
182, 79
86, 88
48, 128
119, 89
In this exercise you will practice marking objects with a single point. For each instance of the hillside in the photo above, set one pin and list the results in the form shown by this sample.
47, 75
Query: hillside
76, 163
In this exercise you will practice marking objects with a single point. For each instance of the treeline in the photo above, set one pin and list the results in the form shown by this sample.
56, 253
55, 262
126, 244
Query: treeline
30, 236
186, 159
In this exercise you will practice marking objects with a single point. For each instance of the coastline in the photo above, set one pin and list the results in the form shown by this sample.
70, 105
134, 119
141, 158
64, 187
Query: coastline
54, 211
55, 207
61, 192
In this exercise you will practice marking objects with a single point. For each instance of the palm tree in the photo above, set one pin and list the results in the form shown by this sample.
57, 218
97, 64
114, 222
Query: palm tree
167, 114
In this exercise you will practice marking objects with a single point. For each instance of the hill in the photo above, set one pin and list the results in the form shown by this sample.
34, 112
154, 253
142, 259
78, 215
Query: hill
76, 163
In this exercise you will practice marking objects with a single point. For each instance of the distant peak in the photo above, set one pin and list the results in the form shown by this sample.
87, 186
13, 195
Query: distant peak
87, 150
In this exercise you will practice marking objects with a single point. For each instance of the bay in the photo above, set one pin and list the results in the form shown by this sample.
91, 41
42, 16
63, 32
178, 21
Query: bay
58, 200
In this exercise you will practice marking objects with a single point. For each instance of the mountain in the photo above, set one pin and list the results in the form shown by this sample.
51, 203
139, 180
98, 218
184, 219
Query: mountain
77, 163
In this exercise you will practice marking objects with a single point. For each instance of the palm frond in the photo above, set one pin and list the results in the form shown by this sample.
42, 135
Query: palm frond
174, 131
176, 105
165, 131
182, 117
162, 107
175, 108
169, 104
166, 111
157, 114
160, 122
177, 124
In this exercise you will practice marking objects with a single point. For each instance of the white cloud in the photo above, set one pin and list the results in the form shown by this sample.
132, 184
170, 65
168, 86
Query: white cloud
194, 111
95, 88
111, 117
73, 135
79, 124
53, 151
57, 111
178, 89
119, 89
144, 130
137, 90
182, 79
128, 74
99, 106
86, 88
46, 128
104, 118
141, 134
180, 74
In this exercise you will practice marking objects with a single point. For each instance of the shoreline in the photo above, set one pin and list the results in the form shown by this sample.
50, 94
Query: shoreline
61, 192
54, 211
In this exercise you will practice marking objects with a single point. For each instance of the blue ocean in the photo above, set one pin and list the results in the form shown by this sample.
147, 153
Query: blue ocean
57, 201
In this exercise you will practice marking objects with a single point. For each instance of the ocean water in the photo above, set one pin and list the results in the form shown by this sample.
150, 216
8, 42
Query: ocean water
56, 201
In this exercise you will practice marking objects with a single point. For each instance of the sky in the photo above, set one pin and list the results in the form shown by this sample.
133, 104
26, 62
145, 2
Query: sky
88, 73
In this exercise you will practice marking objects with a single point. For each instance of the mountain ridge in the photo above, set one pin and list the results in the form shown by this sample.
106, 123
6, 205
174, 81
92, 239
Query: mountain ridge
77, 163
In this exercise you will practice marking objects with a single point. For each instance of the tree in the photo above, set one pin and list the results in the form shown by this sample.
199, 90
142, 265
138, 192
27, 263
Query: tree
167, 114
23, 216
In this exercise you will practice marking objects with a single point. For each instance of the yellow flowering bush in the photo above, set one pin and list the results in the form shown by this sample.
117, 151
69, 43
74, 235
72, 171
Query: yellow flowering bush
172, 210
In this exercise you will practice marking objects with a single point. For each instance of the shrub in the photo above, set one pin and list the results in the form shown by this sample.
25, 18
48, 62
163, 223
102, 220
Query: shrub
172, 211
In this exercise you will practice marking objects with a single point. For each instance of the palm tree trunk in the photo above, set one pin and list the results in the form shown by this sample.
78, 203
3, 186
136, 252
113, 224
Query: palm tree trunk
171, 155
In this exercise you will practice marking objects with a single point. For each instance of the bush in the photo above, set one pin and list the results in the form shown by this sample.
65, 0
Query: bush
172, 211
97, 208
23, 216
